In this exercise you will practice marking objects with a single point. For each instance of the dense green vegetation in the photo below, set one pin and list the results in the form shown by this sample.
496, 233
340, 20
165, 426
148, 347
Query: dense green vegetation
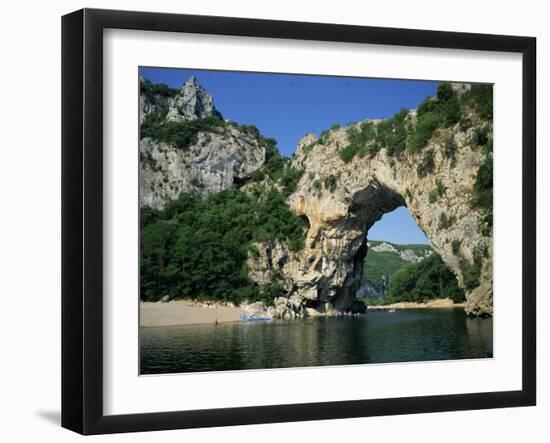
278, 169
150, 90
425, 127
427, 279
472, 272
483, 195
399, 133
197, 247
443, 111
481, 98
483, 187
379, 266
180, 134
403, 280
359, 139
448, 108
392, 133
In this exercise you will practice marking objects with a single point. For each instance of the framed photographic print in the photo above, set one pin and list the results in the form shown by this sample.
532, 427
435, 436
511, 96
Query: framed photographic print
269, 221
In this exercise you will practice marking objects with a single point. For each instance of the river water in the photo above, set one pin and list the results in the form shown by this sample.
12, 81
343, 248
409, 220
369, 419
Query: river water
376, 337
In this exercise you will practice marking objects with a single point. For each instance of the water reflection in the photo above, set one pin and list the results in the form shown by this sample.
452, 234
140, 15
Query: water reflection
378, 337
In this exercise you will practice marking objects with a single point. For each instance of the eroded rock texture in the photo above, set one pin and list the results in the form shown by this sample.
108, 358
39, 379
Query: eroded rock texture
327, 273
218, 159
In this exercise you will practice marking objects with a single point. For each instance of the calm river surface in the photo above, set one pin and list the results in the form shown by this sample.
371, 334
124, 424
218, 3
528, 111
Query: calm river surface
377, 337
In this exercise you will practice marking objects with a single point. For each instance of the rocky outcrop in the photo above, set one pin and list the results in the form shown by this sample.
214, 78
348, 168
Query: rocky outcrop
287, 307
404, 254
384, 247
220, 156
327, 272
191, 102
411, 256
368, 289
213, 164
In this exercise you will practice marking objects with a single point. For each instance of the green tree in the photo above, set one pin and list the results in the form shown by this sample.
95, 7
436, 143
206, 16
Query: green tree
427, 279
198, 247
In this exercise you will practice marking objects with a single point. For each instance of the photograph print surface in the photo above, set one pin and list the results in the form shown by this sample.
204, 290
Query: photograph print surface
298, 220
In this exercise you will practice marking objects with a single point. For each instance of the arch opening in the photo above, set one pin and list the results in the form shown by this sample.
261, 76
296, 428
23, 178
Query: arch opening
393, 242
395, 262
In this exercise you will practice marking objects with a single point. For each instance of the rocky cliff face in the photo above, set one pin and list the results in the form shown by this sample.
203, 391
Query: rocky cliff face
404, 253
327, 272
220, 155
191, 102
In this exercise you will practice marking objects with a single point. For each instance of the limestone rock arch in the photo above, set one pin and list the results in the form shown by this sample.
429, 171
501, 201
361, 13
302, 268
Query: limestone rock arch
326, 272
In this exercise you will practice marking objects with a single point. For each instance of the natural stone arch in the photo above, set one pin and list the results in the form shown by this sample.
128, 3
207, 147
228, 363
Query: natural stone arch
324, 274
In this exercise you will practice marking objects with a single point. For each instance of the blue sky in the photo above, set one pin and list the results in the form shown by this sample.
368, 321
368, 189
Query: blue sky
286, 107
397, 227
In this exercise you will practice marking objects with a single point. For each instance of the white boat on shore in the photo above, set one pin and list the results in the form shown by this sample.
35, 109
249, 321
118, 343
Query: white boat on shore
255, 317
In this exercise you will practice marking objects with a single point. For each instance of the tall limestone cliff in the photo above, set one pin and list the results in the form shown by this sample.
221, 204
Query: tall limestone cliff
185, 145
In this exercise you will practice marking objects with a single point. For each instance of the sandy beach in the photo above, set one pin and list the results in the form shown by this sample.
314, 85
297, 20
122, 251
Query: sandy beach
185, 312
437, 303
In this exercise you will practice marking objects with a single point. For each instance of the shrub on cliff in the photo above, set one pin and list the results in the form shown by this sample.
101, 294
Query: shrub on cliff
450, 149
481, 98
277, 168
179, 134
330, 182
427, 165
483, 195
471, 272
445, 110
150, 90
359, 141
425, 127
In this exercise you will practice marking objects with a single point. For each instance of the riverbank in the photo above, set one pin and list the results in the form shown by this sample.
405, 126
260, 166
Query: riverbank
186, 312
440, 303
378, 337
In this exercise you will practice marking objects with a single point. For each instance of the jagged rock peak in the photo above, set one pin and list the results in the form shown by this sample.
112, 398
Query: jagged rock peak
214, 158
191, 82
192, 102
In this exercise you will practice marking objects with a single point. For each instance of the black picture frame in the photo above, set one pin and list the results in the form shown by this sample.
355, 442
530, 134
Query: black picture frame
82, 218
